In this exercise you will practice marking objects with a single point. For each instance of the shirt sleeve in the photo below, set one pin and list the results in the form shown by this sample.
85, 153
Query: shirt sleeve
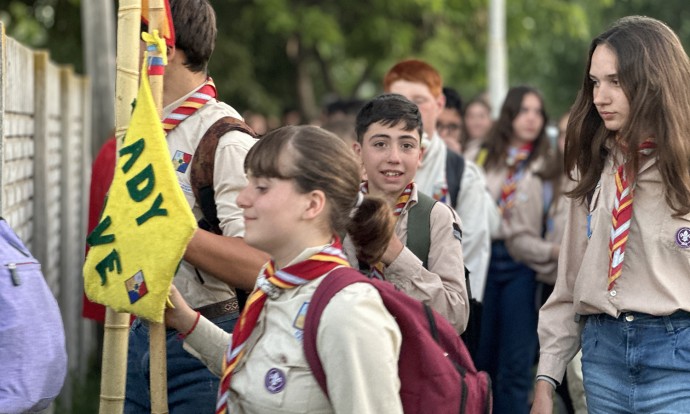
359, 344
559, 332
442, 286
208, 343
229, 179
476, 210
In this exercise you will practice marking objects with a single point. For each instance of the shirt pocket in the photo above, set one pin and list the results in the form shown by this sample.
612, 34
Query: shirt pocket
280, 380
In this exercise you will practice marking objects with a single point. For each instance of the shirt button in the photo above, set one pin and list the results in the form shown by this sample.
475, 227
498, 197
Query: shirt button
629, 317
612, 293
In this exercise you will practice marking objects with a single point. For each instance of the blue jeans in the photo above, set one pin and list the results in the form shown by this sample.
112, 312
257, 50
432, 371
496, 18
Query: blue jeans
192, 388
637, 363
508, 335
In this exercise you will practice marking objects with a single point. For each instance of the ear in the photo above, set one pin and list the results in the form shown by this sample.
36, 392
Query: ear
421, 156
357, 148
315, 204
440, 103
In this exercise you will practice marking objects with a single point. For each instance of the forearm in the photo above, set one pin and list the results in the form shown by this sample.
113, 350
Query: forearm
229, 259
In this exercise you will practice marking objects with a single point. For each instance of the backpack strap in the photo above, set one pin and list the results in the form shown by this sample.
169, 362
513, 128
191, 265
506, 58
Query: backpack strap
455, 168
419, 232
203, 165
333, 283
419, 227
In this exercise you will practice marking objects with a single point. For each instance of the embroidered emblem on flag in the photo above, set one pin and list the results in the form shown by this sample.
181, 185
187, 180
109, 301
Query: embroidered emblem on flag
181, 161
136, 287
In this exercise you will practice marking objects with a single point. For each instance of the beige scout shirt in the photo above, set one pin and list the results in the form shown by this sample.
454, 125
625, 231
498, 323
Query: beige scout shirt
358, 342
442, 286
656, 270
494, 182
200, 288
526, 226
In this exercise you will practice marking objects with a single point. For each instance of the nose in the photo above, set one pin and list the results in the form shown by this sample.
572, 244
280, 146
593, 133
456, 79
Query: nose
394, 155
600, 95
243, 198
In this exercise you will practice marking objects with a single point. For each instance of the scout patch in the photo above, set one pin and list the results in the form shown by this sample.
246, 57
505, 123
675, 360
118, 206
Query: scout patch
298, 323
181, 161
136, 287
274, 380
683, 237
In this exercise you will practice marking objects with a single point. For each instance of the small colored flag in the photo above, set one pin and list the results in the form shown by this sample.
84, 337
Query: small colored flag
167, 29
146, 224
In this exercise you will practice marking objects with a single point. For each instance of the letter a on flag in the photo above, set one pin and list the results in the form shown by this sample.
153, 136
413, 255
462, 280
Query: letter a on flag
146, 223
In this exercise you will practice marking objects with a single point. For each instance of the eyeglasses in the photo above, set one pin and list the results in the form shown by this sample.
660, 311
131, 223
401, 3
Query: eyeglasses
449, 127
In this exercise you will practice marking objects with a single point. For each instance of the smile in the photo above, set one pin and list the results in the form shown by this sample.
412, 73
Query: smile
392, 173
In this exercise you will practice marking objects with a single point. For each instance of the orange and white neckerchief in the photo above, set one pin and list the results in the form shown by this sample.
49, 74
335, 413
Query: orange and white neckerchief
269, 284
192, 104
621, 218
403, 198
516, 159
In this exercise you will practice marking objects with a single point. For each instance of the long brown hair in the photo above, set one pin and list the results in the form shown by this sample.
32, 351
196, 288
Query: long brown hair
654, 73
318, 160
502, 132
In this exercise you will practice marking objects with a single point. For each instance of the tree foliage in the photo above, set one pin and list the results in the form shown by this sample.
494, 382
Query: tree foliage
278, 54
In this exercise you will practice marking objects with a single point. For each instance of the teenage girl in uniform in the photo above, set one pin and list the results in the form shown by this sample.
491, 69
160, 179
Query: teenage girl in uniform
303, 186
514, 151
623, 287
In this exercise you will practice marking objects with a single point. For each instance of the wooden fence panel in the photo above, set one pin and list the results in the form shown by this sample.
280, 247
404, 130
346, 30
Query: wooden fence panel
16, 137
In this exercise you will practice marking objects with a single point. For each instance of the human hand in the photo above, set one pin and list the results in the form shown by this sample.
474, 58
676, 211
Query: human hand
543, 398
180, 317
393, 250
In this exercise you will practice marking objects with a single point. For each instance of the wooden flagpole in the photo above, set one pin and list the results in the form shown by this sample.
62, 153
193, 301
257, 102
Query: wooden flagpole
157, 337
116, 335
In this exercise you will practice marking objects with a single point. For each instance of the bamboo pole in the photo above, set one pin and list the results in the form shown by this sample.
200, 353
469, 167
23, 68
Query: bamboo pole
157, 337
116, 335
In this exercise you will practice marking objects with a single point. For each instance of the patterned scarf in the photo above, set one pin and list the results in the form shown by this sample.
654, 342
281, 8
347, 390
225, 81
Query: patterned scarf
197, 100
621, 218
516, 163
377, 269
269, 284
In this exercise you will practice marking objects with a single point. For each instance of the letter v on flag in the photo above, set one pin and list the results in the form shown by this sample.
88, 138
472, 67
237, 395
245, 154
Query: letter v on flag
145, 225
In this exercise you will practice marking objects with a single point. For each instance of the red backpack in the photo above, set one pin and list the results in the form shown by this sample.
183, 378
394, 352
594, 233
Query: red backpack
436, 372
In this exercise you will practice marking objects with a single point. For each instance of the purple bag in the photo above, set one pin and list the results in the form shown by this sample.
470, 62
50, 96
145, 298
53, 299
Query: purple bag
436, 372
33, 357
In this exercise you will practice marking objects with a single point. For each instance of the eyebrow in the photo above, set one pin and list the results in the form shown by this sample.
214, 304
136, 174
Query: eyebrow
611, 76
407, 136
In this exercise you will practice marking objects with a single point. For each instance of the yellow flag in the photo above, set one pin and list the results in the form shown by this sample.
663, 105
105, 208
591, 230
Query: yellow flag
146, 223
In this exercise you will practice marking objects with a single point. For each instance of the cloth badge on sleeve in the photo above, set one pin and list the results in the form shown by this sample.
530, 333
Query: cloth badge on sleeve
136, 287
683, 237
274, 380
181, 161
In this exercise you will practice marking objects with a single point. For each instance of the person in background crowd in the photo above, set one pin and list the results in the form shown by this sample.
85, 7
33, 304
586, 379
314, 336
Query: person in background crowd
515, 153
256, 121
623, 291
449, 123
422, 84
303, 187
475, 127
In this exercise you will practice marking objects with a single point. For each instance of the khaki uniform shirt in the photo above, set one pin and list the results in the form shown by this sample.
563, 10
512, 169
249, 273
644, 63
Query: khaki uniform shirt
442, 286
526, 227
656, 270
358, 342
526, 185
199, 288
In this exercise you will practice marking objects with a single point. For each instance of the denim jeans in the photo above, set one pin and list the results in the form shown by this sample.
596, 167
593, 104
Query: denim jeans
508, 335
637, 363
192, 388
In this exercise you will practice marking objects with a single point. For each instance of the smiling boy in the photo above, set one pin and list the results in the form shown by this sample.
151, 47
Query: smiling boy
389, 133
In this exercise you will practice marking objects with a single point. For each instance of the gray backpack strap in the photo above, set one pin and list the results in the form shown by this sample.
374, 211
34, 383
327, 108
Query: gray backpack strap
419, 227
